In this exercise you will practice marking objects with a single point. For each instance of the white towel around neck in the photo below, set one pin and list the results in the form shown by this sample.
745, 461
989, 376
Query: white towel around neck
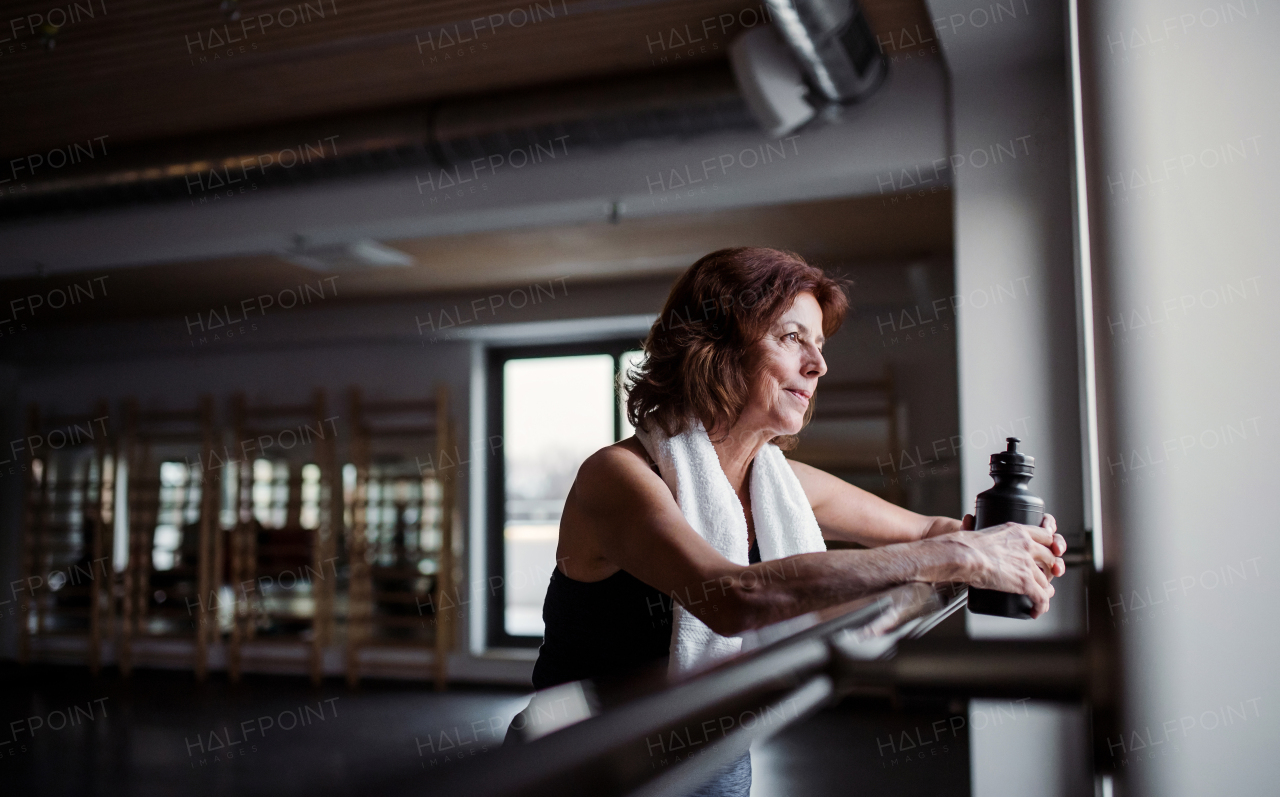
784, 523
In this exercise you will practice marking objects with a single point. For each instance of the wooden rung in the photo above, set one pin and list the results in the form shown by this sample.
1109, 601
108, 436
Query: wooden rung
276, 410
422, 641
380, 571
410, 621
158, 415
389, 406
399, 590
252, 433
193, 436
169, 612
49, 422
400, 431
398, 596
146, 634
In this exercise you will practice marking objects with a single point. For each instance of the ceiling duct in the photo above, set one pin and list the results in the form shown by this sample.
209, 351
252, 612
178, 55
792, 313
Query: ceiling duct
835, 61
835, 46
596, 115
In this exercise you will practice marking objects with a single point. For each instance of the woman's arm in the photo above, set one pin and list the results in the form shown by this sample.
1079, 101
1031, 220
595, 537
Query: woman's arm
630, 515
849, 513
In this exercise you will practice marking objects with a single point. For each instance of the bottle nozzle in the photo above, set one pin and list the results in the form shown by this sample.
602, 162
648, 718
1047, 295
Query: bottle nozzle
1011, 460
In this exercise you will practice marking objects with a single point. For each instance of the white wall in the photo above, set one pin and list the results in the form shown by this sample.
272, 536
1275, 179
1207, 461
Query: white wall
1186, 189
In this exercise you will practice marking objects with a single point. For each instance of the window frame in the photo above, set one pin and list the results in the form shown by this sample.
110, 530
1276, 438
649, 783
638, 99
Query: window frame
495, 488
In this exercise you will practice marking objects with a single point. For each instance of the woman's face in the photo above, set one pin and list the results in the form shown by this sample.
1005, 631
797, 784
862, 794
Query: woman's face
790, 362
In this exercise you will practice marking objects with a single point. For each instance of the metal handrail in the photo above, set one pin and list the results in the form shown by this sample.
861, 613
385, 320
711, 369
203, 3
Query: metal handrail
668, 741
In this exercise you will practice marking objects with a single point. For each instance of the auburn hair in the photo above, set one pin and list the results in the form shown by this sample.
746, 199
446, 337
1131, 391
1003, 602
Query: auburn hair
698, 354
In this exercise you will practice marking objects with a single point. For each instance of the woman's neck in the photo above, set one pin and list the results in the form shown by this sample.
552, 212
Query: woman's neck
737, 451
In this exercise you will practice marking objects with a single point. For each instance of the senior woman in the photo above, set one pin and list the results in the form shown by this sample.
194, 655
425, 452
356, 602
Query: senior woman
731, 369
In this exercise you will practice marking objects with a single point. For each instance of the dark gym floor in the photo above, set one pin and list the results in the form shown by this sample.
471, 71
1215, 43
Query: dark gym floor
65, 732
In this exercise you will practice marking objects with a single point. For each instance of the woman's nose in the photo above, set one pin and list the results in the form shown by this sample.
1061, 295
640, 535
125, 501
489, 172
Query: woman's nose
816, 365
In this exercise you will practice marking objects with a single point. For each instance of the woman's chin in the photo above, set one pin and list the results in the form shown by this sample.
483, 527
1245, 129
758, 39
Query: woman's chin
791, 425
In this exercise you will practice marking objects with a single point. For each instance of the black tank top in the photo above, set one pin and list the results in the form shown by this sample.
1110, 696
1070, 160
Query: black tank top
602, 628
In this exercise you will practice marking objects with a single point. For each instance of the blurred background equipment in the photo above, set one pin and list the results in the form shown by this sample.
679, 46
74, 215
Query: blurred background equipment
283, 546
67, 538
401, 542
171, 517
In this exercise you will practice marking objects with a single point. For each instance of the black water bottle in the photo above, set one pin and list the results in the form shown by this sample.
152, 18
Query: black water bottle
1008, 501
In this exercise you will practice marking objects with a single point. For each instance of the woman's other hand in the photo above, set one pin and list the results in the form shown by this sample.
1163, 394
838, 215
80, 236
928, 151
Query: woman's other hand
1058, 545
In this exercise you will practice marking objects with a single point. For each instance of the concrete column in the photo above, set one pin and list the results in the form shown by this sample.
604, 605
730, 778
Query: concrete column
1017, 332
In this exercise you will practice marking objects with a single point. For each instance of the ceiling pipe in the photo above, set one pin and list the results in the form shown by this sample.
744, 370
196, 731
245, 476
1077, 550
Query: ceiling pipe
594, 115
839, 62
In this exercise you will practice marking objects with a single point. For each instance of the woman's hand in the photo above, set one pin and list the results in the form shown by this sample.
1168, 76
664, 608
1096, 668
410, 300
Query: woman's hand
1058, 545
1010, 558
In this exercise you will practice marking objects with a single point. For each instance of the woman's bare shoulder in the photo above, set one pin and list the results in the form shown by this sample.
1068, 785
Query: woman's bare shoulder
624, 464
610, 487
623, 457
